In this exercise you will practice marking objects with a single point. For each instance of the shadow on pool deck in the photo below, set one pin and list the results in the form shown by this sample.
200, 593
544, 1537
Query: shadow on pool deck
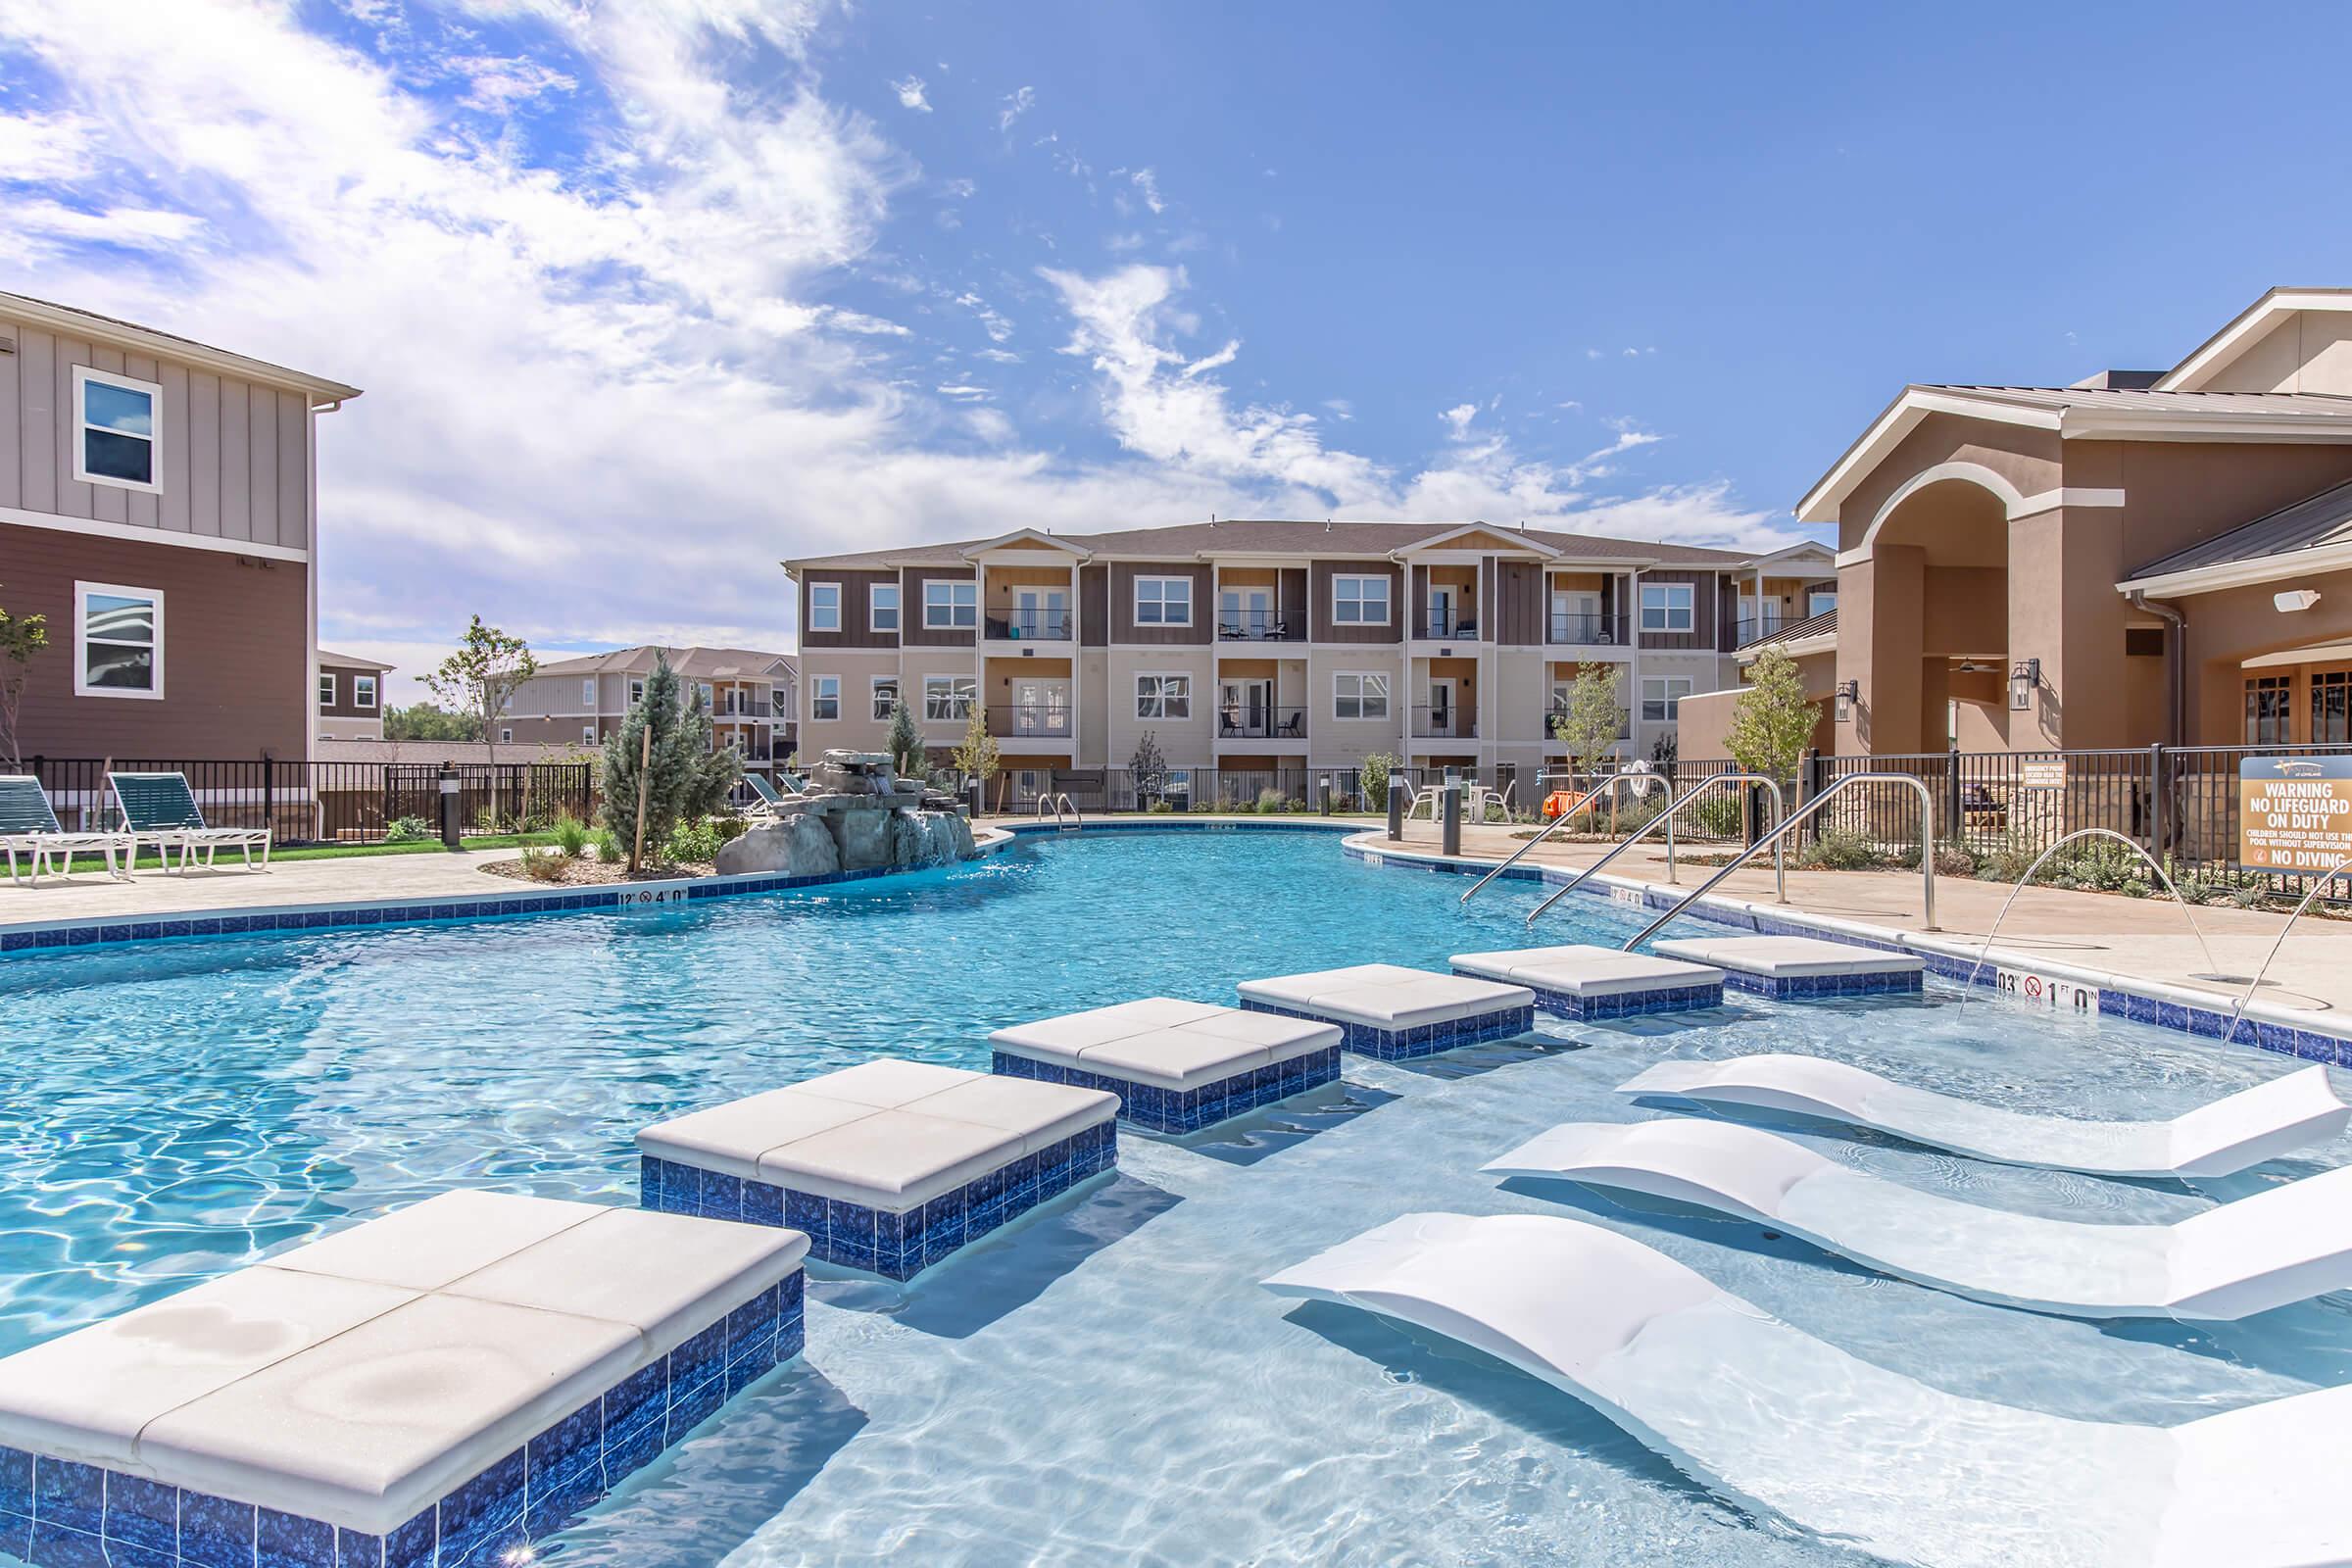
1007, 1271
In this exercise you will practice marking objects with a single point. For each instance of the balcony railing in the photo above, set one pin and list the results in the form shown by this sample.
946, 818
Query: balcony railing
1029, 625
1445, 723
735, 704
1261, 626
1032, 721
1579, 629
1748, 628
1437, 621
1261, 723
1555, 712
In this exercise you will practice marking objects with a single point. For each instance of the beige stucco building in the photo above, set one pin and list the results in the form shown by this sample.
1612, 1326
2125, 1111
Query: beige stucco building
581, 701
2142, 557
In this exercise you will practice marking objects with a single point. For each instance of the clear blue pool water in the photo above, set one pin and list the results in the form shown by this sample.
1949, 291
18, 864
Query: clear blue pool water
1103, 1383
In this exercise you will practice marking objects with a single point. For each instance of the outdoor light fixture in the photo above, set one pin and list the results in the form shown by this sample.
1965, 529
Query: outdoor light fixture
1849, 692
2295, 599
2023, 679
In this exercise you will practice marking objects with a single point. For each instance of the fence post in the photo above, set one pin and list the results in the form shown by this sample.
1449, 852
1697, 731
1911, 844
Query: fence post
1952, 815
2156, 793
270, 796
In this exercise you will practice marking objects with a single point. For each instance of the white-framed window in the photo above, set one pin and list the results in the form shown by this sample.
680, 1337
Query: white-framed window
950, 698
1821, 601
588, 694
950, 605
118, 430
882, 607
1164, 696
886, 696
117, 641
709, 695
1668, 607
587, 734
825, 697
326, 688
1163, 601
1357, 695
636, 691
506, 736
362, 691
824, 606
1662, 700
1359, 601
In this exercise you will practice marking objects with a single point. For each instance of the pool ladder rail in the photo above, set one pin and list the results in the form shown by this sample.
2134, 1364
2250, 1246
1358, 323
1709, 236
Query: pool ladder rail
1059, 804
1743, 782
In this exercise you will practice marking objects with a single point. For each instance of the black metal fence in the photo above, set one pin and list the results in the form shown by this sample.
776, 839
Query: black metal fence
337, 802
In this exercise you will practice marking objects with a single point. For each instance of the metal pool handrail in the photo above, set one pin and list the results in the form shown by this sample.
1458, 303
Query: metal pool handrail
1055, 803
1551, 827
1779, 808
1804, 813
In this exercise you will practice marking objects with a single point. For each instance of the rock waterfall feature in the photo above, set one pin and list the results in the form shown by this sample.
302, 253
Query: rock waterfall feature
858, 816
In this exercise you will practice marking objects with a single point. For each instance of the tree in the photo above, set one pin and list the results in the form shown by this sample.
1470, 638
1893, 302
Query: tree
977, 755
1589, 724
423, 721
479, 678
1772, 721
1372, 779
1147, 768
680, 776
21, 637
908, 757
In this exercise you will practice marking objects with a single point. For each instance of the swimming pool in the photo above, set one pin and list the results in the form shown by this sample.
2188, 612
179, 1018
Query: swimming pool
1105, 1382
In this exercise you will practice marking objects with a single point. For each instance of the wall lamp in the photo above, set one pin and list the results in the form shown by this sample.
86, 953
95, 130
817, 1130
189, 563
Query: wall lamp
2023, 679
2295, 599
1849, 692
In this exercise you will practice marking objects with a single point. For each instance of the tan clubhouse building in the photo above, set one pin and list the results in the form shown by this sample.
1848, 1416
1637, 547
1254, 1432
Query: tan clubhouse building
1278, 645
2144, 557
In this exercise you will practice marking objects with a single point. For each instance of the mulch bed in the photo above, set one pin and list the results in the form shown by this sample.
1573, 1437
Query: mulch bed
586, 871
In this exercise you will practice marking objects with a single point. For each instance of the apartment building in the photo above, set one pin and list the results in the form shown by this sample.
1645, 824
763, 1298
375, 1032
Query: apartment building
751, 698
159, 505
350, 696
1278, 644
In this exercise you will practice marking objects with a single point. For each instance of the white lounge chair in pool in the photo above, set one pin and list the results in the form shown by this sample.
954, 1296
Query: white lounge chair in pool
29, 827
2285, 1244
2232, 1134
161, 810
1787, 1423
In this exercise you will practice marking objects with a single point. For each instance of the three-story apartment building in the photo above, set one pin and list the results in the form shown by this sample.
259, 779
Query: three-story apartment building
750, 696
1274, 644
159, 506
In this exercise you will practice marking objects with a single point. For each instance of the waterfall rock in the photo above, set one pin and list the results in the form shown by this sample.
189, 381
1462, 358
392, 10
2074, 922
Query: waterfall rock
796, 846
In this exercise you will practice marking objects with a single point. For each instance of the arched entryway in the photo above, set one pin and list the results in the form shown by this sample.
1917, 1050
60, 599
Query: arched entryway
1929, 619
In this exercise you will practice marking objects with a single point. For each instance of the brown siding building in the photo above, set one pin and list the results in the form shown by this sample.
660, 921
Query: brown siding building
350, 696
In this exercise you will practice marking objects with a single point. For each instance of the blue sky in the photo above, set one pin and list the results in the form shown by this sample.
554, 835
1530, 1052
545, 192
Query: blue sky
646, 296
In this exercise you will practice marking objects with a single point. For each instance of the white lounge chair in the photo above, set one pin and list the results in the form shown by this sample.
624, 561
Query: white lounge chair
1788, 1425
2285, 1244
2232, 1133
29, 827
161, 810
765, 798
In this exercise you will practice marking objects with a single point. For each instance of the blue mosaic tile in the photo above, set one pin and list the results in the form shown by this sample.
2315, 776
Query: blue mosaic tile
56, 1547
288, 1540
1167, 1111
71, 1495
721, 1196
762, 1203
1814, 987
16, 1482
143, 1514
1424, 1040
215, 1532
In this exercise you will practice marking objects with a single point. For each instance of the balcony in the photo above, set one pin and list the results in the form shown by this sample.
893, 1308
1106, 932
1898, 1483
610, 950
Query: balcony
1261, 724
1031, 721
1445, 723
1589, 630
741, 705
1440, 623
1259, 626
1028, 626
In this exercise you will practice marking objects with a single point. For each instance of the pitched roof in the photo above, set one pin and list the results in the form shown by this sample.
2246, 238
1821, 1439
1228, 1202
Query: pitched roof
1290, 537
699, 664
2314, 523
352, 661
1822, 625
169, 345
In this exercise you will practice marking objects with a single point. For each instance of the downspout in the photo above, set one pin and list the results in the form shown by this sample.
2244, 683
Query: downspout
2176, 651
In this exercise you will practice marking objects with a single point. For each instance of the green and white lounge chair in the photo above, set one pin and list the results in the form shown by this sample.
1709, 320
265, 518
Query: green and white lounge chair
29, 826
161, 810
764, 798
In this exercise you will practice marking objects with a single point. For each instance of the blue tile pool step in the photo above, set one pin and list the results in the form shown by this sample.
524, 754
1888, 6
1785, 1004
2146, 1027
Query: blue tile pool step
1581, 981
890, 1166
1175, 1066
436, 1388
1390, 1012
1790, 968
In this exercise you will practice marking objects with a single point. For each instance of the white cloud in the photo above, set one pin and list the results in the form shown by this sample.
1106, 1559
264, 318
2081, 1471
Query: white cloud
500, 86
997, 326
911, 94
959, 188
962, 389
1147, 185
1341, 408
1016, 104
47, 147
131, 228
1458, 419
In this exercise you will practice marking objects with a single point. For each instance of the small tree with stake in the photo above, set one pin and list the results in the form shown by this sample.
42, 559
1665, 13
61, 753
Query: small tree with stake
1772, 721
1587, 729
660, 767
479, 680
978, 757
1147, 768
908, 757
21, 637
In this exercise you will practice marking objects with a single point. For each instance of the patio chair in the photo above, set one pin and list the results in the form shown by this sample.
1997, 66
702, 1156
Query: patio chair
29, 826
765, 799
161, 808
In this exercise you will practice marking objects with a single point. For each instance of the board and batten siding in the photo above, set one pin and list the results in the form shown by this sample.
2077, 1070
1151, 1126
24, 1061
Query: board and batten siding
234, 465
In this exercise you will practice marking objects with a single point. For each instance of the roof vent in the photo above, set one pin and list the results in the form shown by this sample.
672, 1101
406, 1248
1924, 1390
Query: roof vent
2118, 381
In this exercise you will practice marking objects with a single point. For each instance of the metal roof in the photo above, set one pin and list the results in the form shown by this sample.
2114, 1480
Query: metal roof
352, 661
1821, 625
2307, 524
2149, 401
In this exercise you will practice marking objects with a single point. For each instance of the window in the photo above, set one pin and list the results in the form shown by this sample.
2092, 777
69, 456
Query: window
1164, 696
1359, 601
2330, 707
116, 418
702, 690
1667, 607
1359, 695
506, 736
362, 691
1821, 601
1662, 700
636, 692
948, 698
588, 694
824, 606
117, 641
886, 696
587, 734
1163, 601
825, 697
327, 689
951, 605
882, 607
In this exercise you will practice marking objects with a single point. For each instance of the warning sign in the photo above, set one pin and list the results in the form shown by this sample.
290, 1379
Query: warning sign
2294, 814
2041, 773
